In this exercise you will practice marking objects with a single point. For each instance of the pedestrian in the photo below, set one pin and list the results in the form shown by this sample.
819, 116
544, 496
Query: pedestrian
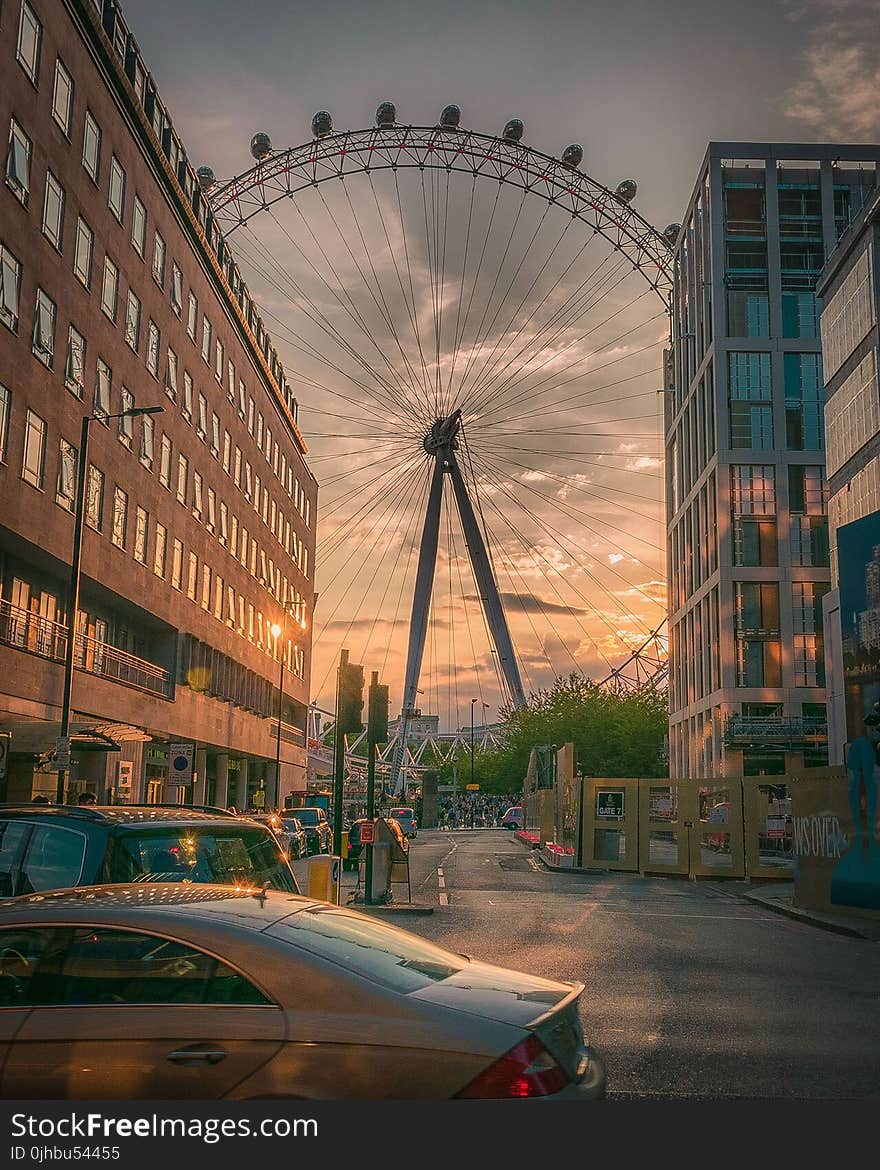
86, 798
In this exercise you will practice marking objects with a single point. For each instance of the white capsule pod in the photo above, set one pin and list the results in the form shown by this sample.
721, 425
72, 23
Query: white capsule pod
206, 178
322, 124
261, 146
513, 131
626, 190
386, 114
670, 233
450, 117
573, 155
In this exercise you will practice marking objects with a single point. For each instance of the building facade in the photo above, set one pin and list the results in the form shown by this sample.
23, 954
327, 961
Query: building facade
747, 524
850, 292
118, 292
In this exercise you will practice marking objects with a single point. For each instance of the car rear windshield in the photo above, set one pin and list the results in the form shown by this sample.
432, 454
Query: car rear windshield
401, 814
307, 816
229, 857
383, 954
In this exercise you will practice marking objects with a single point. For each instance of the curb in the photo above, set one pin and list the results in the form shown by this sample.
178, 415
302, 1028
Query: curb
405, 908
806, 917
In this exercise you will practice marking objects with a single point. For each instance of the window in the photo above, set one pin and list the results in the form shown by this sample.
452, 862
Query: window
219, 360
242, 398
171, 375
215, 434
159, 550
141, 535
250, 415
159, 260
202, 420
110, 289
224, 520
5, 408
103, 386
62, 98
227, 449
30, 35
34, 456
186, 406
91, 157
212, 510
44, 329
10, 285
126, 422
133, 321
123, 967
804, 401
206, 587
807, 497
751, 404
192, 315
176, 288
165, 456
82, 257
192, 576
75, 366
95, 498
809, 650
147, 437
176, 564
116, 194
237, 474
53, 211
120, 517
182, 478
197, 495
139, 227
18, 162
154, 342
218, 597
206, 340
230, 381
65, 492
54, 859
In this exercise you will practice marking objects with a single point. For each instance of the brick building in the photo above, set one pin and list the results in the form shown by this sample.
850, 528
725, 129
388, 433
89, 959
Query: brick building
118, 291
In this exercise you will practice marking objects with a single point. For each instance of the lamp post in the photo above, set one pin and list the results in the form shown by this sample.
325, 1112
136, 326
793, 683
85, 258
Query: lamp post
276, 631
73, 588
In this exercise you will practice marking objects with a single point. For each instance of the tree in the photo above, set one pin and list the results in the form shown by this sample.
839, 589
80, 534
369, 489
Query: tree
613, 735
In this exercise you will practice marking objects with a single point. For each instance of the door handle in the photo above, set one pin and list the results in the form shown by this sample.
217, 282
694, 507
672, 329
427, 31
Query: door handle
196, 1055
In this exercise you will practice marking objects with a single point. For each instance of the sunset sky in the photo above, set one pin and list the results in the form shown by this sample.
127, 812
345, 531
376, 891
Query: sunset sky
552, 349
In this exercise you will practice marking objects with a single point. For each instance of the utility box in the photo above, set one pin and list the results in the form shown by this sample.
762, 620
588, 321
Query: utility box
381, 891
324, 878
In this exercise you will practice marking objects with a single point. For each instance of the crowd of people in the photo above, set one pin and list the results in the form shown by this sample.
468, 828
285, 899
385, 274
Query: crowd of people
472, 811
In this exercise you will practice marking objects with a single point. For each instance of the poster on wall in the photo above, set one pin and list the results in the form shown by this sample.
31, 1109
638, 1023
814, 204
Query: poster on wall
856, 877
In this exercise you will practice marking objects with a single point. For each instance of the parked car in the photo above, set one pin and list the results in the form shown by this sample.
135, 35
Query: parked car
51, 847
354, 848
219, 992
406, 818
319, 834
299, 841
513, 818
290, 833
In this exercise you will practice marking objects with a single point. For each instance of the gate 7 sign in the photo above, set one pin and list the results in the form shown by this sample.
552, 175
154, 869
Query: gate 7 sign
609, 804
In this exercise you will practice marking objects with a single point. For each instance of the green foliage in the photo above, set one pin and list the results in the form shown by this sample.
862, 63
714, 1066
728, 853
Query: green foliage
613, 735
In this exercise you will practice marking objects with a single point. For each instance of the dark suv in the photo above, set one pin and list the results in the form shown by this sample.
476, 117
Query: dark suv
50, 848
319, 834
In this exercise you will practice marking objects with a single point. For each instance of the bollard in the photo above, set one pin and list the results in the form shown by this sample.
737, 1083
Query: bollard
323, 882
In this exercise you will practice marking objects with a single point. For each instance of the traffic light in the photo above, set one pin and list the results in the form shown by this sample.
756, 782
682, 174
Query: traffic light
350, 699
377, 727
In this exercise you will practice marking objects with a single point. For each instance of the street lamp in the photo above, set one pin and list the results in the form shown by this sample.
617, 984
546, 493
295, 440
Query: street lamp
276, 632
73, 588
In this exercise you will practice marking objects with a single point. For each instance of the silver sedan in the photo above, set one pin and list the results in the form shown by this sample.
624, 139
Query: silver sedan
174, 991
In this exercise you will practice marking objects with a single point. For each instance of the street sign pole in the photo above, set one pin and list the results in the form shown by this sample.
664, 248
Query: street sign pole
377, 732
338, 759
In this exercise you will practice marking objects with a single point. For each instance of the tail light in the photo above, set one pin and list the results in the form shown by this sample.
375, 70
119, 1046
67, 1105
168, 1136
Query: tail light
528, 1070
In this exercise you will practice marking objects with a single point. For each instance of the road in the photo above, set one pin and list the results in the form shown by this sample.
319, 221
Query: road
691, 990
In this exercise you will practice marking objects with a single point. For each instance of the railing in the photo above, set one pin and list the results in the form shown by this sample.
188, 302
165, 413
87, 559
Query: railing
289, 733
48, 639
774, 729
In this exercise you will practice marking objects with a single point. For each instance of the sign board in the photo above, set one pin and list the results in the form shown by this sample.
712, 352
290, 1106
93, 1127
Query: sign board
180, 763
609, 804
367, 837
62, 752
4, 754
472, 787
776, 828
125, 773
719, 814
259, 798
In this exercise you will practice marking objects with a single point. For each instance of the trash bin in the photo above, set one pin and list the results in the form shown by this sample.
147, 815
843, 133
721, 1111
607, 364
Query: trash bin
324, 878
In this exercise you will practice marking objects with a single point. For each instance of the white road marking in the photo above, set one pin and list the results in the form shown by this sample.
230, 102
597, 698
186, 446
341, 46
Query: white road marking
441, 882
444, 899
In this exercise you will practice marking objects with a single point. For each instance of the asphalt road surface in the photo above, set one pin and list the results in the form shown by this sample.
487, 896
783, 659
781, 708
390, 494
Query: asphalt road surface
691, 991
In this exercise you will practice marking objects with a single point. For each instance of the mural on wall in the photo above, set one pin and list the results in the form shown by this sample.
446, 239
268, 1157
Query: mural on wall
856, 877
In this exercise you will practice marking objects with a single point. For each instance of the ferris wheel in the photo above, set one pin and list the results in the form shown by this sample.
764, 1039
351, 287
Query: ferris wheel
475, 331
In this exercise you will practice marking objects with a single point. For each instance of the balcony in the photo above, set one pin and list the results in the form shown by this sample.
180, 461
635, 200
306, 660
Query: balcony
289, 733
791, 731
27, 631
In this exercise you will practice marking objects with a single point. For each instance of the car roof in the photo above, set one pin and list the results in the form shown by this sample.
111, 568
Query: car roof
177, 901
117, 813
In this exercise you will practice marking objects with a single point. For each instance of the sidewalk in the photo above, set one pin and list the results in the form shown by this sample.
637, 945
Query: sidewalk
779, 897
